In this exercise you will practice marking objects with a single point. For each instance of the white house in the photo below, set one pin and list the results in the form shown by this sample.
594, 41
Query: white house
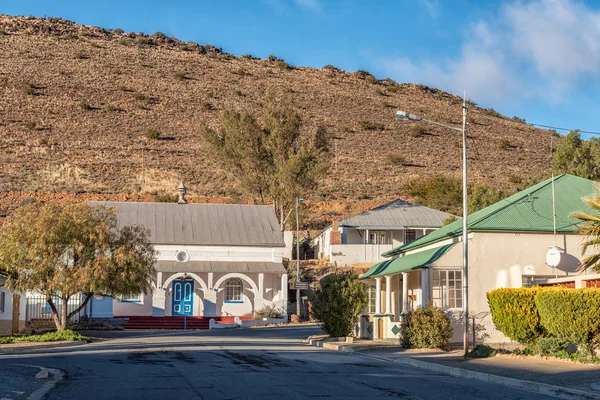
212, 260
508, 245
362, 239
12, 310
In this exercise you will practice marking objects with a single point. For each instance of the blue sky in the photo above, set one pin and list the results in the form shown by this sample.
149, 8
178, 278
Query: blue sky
539, 60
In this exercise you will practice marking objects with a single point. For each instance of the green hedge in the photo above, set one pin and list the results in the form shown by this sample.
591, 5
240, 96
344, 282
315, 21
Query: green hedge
427, 328
339, 302
572, 315
515, 314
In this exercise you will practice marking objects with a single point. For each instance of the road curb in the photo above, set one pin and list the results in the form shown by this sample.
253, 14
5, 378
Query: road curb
530, 386
40, 346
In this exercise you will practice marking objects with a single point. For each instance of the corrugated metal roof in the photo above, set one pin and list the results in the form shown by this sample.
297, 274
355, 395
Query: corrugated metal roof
219, 266
527, 211
406, 263
398, 214
202, 224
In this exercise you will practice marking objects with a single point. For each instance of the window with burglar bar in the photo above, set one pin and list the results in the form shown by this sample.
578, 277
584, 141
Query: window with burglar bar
372, 299
447, 288
233, 290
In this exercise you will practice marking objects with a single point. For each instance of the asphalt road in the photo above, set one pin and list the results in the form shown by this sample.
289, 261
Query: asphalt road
265, 363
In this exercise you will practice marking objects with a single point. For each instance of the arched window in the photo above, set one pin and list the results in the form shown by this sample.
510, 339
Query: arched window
233, 290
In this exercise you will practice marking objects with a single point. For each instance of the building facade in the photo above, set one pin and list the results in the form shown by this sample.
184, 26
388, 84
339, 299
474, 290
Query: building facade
508, 244
212, 260
363, 238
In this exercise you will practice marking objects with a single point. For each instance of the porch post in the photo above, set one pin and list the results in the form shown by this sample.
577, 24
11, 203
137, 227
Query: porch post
424, 287
284, 292
377, 296
405, 293
210, 298
258, 297
388, 294
158, 297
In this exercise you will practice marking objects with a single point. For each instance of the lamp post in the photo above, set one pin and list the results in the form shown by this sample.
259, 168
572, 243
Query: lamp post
405, 116
298, 201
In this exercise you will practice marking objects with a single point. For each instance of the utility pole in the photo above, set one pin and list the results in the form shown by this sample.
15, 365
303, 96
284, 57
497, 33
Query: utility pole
298, 201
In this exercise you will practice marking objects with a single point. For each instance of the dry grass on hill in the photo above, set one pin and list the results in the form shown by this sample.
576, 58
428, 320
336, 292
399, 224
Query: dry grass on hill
87, 110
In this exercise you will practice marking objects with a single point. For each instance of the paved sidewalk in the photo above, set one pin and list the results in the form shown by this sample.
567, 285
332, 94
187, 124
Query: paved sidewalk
567, 380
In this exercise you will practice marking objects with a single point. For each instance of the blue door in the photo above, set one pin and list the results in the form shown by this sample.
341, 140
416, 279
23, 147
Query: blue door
183, 297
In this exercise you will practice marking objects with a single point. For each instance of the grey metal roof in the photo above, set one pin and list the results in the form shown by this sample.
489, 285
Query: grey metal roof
397, 214
202, 224
219, 266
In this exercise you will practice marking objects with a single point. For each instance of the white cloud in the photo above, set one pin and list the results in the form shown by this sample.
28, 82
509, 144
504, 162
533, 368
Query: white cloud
540, 49
309, 5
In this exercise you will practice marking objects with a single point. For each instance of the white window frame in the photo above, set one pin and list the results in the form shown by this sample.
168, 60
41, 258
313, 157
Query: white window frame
449, 281
234, 291
131, 298
2, 302
372, 304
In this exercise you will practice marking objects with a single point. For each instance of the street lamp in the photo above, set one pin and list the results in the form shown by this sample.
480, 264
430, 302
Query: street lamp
405, 116
298, 201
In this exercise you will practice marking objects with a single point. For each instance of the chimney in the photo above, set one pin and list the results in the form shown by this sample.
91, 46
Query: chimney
335, 236
181, 190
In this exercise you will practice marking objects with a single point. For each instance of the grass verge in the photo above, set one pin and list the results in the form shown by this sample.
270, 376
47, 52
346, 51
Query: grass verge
66, 335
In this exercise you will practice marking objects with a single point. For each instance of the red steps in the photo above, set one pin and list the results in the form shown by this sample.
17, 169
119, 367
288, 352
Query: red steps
175, 322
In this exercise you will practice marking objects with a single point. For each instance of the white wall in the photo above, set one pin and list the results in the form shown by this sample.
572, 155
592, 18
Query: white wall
351, 254
288, 238
500, 260
122, 308
221, 253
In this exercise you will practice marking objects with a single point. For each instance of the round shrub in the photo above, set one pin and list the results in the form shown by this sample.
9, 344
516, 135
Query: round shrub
572, 315
515, 314
339, 302
427, 328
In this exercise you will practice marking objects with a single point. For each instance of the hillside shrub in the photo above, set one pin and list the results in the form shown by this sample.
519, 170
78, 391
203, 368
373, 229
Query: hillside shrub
339, 302
504, 145
427, 328
371, 126
515, 314
152, 134
417, 131
572, 315
284, 66
396, 159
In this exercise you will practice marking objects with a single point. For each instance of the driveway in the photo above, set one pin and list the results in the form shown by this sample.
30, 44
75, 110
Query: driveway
265, 363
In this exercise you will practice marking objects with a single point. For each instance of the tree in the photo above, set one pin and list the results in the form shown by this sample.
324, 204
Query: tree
445, 194
577, 157
66, 249
591, 229
272, 162
339, 302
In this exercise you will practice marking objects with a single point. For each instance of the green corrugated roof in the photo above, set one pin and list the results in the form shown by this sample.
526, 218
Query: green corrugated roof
527, 211
406, 263
2, 279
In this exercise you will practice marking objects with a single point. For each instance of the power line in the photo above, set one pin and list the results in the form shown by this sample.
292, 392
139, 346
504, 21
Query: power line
564, 129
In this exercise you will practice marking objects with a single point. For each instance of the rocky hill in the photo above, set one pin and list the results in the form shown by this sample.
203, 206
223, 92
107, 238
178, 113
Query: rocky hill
81, 108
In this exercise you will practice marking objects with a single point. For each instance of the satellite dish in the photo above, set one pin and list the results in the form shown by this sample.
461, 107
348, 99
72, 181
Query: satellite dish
553, 257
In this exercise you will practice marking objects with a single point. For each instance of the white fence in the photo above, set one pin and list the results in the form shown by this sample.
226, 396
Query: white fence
38, 310
350, 254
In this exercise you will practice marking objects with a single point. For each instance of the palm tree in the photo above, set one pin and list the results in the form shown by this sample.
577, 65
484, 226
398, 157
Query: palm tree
591, 229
